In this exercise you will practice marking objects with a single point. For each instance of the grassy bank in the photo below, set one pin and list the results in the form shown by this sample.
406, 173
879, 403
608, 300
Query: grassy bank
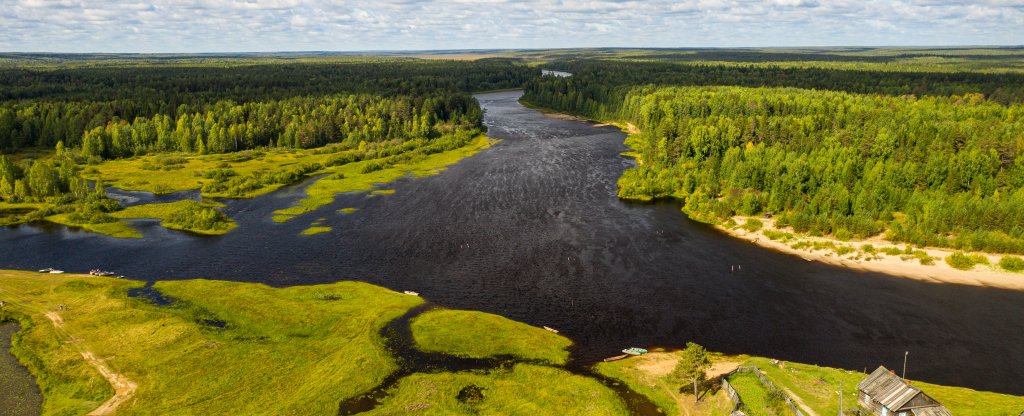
223, 348
524, 389
650, 375
811, 385
366, 175
243, 348
479, 335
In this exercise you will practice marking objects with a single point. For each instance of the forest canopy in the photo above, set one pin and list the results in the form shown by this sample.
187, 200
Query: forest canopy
943, 168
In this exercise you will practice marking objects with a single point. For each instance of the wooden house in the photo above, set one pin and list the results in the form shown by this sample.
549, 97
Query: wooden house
886, 394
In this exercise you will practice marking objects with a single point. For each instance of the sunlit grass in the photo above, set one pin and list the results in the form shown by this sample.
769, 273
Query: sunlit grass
478, 335
352, 179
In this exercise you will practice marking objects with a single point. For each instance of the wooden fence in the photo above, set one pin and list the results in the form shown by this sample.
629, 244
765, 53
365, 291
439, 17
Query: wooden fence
737, 401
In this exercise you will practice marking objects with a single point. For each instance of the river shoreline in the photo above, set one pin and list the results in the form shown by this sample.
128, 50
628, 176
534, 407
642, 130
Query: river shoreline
904, 265
898, 266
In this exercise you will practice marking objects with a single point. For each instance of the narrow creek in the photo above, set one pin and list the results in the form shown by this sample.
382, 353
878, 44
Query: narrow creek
19, 394
399, 341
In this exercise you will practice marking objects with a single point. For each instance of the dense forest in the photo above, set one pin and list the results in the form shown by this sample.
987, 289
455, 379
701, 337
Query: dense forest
39, 107
369, 108
934, 170
600, 86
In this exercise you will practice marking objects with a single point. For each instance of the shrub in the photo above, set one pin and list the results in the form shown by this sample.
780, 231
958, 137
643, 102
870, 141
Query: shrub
220, 175
1012, 263
892, 251
868, 248
843, 235
753, 225
960, 261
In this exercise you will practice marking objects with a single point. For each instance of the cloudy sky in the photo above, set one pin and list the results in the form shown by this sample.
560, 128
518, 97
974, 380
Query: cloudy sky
345, 25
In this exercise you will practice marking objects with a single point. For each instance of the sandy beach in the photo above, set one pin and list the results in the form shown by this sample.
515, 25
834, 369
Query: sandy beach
897, 265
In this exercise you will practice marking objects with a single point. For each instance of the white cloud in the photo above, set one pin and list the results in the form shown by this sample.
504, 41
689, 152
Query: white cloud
271, 25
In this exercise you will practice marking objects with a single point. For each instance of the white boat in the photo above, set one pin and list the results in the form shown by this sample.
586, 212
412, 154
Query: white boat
551, 329
409, 292
56, 271
46, 270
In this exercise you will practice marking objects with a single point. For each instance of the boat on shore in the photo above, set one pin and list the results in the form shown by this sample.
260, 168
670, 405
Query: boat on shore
616, 358
98, 272
411, 293
46, 270
634, 351
55, 271
550, 329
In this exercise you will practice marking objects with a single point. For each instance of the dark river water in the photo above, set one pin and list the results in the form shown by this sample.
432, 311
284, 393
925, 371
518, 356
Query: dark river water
531, 229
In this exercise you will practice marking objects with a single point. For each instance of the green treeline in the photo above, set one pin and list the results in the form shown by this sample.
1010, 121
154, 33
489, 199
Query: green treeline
943, 171
393, 110
599, 87
300, 122
39, 107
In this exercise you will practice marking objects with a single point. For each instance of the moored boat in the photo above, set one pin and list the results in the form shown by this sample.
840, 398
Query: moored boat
616, 358
551, 329
411, 293
635, 351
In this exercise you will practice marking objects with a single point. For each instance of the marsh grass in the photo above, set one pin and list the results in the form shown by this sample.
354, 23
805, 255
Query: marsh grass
355, 178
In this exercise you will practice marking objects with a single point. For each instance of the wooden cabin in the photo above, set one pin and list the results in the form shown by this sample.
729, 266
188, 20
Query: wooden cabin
886, 394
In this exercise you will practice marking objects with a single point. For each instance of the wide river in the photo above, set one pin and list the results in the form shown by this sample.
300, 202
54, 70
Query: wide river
531, 229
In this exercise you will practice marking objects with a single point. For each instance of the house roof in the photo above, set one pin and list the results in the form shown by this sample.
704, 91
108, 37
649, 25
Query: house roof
892, 392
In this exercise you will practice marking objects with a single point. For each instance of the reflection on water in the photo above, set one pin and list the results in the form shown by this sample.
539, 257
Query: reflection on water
531, 229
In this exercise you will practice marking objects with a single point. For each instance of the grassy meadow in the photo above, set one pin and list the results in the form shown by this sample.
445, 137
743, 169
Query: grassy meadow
524, 389
480, 335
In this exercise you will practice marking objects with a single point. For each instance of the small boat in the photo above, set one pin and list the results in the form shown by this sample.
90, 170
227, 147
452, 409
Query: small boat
616, 358
411, 293
46, 270
98, 272
551, 329
56, 271
635, 351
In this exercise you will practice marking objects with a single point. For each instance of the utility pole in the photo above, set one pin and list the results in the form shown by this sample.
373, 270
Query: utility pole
840, 393
905, 354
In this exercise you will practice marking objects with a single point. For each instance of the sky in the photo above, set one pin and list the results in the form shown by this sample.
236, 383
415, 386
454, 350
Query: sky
360, 25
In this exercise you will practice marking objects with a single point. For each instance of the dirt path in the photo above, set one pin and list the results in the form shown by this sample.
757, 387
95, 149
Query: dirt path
799, 402
124, 388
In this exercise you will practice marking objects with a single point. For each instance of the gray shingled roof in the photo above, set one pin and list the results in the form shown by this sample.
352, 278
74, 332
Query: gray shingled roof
888, 389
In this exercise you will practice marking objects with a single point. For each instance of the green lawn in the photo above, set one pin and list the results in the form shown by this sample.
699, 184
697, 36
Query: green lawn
478, 335
755, 395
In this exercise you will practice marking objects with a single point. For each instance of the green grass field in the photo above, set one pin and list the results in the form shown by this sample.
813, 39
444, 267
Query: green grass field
479, 335
280, 351
524, 389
